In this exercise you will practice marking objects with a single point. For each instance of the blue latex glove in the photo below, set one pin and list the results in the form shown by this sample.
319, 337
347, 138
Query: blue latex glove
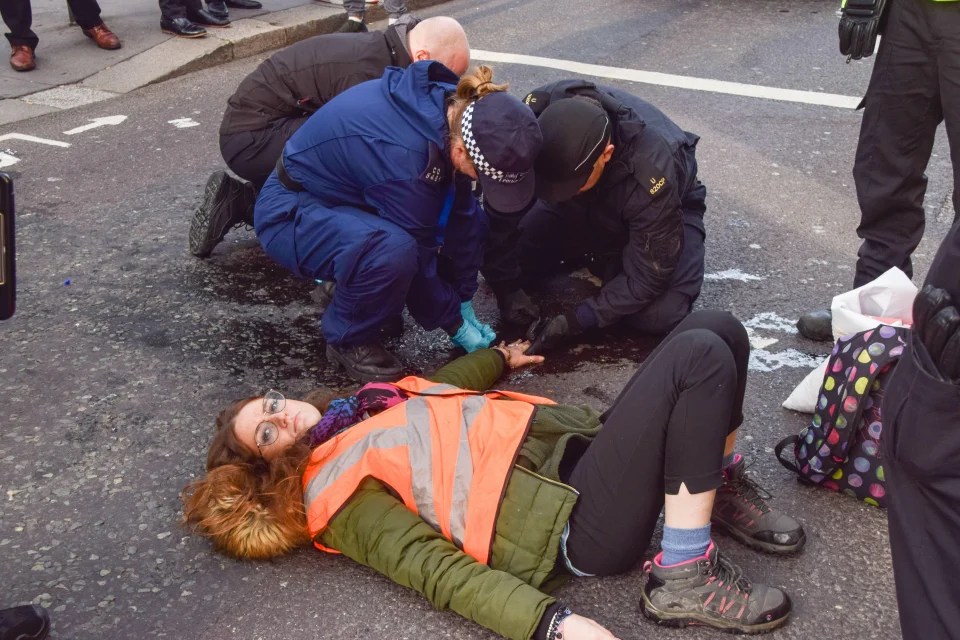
470, 338
469, 316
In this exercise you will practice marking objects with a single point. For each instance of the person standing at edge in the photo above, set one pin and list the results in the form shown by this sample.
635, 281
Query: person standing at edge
186, 18
281, 93
356, 9
914, 87
618, 192
18, 16
374, 193
921, 453
219, 9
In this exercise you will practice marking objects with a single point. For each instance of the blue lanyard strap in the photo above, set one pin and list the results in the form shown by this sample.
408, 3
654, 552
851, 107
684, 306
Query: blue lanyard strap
445, 214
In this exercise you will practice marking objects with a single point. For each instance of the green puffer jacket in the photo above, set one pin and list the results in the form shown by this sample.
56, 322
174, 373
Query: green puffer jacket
377, 530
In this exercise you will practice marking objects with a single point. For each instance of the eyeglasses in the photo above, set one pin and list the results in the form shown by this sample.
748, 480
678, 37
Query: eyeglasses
267, 432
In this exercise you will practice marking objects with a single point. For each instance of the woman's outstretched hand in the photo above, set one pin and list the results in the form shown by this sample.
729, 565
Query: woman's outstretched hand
514, 355
576, 627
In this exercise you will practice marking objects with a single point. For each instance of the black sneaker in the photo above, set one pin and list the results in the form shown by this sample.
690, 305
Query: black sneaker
227, 203
366, 362
29, 622
816, 325
711, 590
740, 509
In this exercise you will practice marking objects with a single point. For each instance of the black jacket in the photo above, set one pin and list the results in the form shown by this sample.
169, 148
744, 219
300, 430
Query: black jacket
298, 80
647, 192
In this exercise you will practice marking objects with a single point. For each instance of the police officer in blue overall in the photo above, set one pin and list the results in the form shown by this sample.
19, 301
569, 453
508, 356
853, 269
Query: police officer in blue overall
374, 193
618, 194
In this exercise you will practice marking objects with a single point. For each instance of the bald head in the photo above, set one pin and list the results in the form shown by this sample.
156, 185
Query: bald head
442, 39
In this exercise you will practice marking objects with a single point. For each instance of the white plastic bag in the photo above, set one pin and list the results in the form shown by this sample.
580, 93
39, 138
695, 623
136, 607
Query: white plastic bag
886, 300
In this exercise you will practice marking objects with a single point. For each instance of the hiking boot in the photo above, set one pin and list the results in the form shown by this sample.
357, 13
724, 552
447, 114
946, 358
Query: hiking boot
366, 362
816, 325
740, 509
227, 203
711, 590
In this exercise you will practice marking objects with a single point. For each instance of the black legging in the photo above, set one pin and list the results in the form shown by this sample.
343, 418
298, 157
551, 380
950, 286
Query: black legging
668, 427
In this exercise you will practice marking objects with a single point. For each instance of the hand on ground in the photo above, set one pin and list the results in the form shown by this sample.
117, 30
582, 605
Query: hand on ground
514, 354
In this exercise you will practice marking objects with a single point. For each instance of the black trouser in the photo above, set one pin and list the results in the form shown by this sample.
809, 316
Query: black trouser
667, 427
252, 155
171, 9
921, 450
914, 87
18, 18
564, 237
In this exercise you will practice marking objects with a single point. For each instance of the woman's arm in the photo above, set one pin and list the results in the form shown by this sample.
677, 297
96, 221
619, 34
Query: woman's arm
377, 530
481, 369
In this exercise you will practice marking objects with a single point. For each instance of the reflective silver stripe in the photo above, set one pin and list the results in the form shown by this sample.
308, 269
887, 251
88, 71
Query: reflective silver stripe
416, 435
377, 439
438, 389
421, 460
463, 471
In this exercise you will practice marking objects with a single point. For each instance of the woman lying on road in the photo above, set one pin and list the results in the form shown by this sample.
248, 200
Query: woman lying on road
483, 500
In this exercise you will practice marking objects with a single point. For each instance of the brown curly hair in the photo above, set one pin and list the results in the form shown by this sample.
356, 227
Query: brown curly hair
250, 508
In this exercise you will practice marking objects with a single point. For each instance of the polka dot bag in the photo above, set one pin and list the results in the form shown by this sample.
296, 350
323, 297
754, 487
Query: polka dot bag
840, 450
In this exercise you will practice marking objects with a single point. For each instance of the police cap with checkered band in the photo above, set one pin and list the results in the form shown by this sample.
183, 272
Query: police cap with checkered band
503, 139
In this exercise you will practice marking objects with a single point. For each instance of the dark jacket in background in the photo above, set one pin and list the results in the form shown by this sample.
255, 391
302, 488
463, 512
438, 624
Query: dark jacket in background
298, 80
279, 95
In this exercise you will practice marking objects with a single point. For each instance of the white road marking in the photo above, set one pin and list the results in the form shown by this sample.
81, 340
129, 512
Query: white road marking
670, 80
758, 342
23, 136
771, 321
183, 123
96, 122
7, 160
762, 360
732, 274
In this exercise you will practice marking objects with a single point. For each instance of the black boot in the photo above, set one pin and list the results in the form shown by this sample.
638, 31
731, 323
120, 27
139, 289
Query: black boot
227, 203
204, 17
218, 9
244, 4
366, 362
816, 325
181, 27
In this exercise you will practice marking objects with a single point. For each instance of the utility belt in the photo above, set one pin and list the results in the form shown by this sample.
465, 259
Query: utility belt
288, 183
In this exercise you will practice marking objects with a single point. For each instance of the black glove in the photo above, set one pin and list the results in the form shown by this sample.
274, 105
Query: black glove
860, 22
936, 322
547, 333
516, 307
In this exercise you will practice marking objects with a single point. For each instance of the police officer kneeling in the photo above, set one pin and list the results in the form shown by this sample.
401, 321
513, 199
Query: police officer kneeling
618, 193
374, 192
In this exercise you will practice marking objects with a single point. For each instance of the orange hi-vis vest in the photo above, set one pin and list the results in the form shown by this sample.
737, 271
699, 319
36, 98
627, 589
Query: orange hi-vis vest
447, 452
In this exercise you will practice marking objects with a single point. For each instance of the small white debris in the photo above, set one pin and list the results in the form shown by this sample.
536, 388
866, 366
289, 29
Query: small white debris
732, 274
184, 123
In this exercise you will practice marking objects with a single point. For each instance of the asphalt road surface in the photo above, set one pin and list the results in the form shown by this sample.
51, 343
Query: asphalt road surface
124, 346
